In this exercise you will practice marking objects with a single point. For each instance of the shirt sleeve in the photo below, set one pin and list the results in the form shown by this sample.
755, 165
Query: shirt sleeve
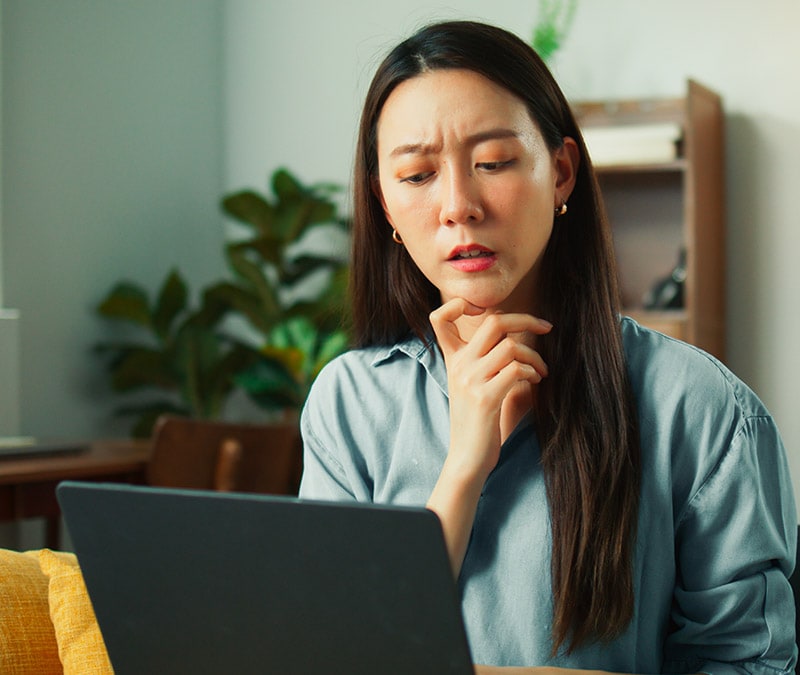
324, 478
333, 467
733, 608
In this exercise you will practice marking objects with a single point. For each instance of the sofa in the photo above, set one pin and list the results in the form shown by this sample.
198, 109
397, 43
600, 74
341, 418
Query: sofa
47, 624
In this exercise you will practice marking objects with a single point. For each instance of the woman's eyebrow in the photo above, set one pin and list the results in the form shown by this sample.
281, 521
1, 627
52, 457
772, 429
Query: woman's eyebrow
413, 149
479, 137
491, 135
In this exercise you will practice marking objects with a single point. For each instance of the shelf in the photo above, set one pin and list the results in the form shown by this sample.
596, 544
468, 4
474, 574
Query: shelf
675, 166
610, 113
661, 210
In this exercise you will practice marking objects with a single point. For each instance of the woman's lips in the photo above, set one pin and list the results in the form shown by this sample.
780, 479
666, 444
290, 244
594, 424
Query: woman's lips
473, 258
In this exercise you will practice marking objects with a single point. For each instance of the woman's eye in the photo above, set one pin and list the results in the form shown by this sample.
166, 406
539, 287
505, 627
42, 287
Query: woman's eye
417, 178
495, 166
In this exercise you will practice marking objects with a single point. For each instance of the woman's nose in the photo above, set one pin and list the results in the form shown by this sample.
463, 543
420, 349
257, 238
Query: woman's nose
461, 199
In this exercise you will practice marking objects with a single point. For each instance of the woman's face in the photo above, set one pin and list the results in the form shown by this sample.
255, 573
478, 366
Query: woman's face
469, 184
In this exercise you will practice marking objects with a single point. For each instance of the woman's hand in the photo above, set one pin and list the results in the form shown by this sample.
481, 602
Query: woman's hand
481, 372
483, 369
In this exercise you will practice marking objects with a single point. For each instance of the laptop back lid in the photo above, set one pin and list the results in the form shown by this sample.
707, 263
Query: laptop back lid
204, 582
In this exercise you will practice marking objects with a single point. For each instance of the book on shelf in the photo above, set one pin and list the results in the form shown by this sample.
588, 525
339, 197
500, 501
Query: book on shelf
633, 143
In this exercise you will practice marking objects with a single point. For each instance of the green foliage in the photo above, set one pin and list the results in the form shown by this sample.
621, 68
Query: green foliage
187, 360
181, 354
299, 336
555, 20
289, 361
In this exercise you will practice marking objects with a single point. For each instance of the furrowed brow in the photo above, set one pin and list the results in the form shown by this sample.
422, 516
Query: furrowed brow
413, 149
474, 139
492, 135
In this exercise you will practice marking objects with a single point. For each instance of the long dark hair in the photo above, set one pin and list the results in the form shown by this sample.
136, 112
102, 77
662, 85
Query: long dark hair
585, 413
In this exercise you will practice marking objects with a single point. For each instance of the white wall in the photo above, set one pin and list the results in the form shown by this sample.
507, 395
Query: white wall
9, 326
1, 161
296, 73
112, 169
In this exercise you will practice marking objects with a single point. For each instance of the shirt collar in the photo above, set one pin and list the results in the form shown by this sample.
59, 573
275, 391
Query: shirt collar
426, 353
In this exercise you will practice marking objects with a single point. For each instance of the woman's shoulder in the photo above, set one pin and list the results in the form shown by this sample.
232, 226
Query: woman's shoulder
665, 369
693, 413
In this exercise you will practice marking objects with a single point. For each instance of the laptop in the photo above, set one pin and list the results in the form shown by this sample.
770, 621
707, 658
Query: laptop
20, 447
188, 581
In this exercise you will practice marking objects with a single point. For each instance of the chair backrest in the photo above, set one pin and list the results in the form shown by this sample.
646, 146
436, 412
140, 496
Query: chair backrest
214, 455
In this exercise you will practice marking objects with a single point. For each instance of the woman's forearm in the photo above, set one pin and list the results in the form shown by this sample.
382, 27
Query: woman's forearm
486, 369
455, 500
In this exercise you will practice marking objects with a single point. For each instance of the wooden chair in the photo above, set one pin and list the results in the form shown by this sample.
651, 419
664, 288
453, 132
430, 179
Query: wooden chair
213, 455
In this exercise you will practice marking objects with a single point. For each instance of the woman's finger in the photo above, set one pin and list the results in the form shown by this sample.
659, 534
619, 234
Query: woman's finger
491, 377
443, 320
510, 350
497, 326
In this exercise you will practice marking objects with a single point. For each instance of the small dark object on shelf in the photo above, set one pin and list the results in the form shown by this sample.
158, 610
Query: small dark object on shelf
667, 293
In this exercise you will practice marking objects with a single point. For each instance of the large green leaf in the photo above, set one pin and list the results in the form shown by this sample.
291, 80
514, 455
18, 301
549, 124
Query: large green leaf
277, 401
271, 385
295, 218
252, 209
199, 351
338, 288
117, 353
127, 302
250, 269
296, 338
301, 268
325, 317
144, 368
211, 311
254, 274
249, 305
329, 348
269, 248
171, 302
266, 374
291, 358
330, 310
321, 211
221, 377
286, 187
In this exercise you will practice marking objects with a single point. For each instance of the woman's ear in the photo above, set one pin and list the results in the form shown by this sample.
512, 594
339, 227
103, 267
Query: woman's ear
567, 160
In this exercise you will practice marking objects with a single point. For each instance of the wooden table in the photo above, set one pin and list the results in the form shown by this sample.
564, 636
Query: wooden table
28, 483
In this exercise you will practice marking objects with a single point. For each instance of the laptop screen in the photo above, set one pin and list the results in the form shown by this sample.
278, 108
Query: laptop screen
205, 582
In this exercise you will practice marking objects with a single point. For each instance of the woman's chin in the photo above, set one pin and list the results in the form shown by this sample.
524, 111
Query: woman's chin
483, 300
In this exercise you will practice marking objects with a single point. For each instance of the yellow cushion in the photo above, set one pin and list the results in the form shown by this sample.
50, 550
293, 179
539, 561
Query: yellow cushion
27, 639
80, 644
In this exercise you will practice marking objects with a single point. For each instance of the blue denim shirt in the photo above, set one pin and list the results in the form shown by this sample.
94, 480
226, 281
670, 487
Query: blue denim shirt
717, 530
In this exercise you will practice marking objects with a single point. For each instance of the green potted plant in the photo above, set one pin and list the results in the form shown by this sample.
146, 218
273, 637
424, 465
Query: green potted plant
292, 296
289, 298
550, 31
174, 357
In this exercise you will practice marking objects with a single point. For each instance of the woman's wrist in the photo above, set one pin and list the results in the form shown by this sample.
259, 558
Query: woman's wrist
454, 500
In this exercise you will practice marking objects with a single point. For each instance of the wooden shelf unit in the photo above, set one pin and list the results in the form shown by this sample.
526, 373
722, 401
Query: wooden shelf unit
657, 209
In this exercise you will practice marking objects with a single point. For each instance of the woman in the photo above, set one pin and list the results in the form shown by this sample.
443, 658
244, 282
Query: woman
610, 498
